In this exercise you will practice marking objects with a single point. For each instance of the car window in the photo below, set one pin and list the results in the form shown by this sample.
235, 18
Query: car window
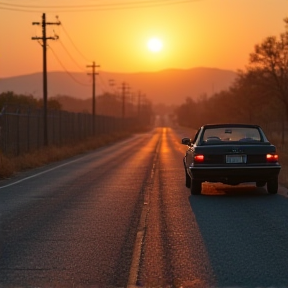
230, 134
195, 136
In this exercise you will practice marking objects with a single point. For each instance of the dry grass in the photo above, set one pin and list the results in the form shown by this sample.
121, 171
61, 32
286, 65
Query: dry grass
11, 165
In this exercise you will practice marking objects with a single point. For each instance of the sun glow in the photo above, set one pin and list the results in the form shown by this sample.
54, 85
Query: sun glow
154, 45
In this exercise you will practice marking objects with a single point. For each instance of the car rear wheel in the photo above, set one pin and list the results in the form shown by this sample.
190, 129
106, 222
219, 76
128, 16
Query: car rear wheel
260, 183
272, 186
196, 187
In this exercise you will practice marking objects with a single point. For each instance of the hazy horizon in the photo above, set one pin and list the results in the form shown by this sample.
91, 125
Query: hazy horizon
170, 86
119, 72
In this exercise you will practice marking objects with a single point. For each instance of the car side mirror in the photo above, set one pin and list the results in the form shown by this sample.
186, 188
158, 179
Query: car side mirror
186, 141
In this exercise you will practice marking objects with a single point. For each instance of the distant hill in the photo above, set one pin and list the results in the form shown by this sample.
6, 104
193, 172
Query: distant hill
171, 86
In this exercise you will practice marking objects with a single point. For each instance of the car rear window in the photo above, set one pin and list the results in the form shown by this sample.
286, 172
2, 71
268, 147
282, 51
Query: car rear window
231, 134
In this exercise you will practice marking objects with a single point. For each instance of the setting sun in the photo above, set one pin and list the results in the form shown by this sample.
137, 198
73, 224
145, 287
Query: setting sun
154, 45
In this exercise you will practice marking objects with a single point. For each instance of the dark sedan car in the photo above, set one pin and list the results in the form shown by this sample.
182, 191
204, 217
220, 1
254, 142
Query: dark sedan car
231, 154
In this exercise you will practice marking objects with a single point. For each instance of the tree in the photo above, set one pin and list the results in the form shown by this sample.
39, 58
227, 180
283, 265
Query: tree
9, 98
186, 114
270, 63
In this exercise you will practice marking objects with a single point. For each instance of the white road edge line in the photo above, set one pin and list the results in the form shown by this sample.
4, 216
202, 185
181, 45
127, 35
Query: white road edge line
49, 170
38, 174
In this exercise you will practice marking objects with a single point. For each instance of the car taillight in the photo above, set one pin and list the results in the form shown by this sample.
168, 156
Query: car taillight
199, 158
272, 157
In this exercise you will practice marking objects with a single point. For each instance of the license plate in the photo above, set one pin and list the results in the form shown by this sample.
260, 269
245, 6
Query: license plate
236, 158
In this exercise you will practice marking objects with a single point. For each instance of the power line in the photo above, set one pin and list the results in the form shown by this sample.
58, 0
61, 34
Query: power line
72, 77
91, 5
106, 88
65, 31
68, 53
73, 60
71, 57
102, 84
95, 7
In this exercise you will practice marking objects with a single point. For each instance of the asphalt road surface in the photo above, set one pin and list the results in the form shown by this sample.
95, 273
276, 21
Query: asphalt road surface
121, 217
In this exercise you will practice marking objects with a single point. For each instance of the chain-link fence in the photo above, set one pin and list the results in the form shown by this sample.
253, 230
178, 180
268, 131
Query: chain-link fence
21, 128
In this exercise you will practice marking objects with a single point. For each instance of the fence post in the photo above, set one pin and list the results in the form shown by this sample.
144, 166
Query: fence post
6, 131
18, 131
79, 130
28, 129
38, 128
60, 127
1, 130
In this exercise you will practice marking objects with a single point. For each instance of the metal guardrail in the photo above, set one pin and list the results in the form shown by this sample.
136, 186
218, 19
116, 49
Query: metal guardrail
21, 128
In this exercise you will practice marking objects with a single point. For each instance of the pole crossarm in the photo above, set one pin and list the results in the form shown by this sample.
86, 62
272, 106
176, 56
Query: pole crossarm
47, 38
44, 23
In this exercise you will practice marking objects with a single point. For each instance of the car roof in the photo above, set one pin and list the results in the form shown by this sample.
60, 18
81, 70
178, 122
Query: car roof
220, 125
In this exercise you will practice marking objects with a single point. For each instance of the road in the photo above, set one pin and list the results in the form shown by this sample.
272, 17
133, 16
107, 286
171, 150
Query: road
121, 217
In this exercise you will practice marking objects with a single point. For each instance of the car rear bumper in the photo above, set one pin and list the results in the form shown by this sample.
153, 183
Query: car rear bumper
234, 174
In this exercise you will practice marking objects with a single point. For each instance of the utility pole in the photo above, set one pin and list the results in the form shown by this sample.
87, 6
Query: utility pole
45, 92
132, 94
93, 66
139, 102
124, 89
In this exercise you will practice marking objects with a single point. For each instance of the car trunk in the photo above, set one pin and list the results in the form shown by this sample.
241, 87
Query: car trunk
246, 154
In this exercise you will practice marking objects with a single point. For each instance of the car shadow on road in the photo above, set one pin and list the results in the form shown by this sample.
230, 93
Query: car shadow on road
245, 232
242, 190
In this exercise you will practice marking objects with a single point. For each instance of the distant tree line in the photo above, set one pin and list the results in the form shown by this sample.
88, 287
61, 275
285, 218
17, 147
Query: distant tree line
258, 95
106, 104
9, 98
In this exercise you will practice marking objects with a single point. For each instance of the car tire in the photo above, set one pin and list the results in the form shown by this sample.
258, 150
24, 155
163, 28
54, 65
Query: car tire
272, 186
187, 180
260, 184
196, 187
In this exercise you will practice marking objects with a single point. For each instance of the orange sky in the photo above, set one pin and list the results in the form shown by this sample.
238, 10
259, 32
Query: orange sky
206, 33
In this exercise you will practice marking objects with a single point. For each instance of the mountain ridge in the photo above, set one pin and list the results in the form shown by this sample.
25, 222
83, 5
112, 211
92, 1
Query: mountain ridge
169, 86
